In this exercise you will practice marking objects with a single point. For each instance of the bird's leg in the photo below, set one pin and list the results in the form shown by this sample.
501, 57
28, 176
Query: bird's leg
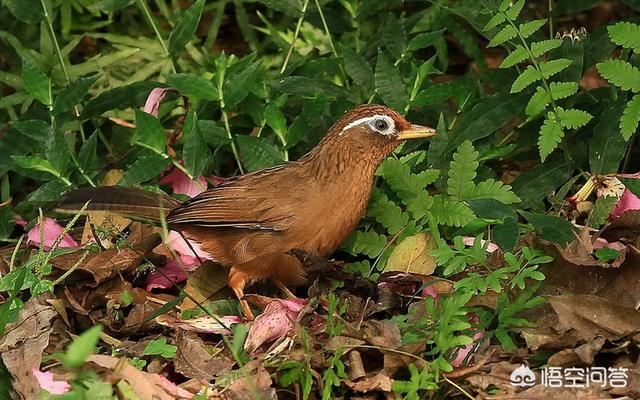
285, 290
237, 282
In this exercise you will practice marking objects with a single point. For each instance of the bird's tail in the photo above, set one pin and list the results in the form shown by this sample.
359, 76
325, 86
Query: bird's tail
130, 202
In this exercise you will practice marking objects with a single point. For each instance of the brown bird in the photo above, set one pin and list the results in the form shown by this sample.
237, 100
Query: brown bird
251, 221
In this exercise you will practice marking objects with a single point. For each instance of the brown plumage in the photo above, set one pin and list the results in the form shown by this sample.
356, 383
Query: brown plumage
251, 221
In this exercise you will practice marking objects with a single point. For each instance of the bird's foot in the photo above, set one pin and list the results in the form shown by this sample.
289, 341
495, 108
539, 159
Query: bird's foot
237, 283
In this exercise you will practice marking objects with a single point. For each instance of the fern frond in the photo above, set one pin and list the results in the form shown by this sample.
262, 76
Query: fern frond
551, 133
620, 73
630, 117
404, 183
493, 22
420, 205
538, 102
529, 28
506, 33
526, 78
513, 11
492, 189
387, 213
462, 170
550, 68
368, 243
517, 56
573, 118
540, 48
561, 90
450, 212
625, 34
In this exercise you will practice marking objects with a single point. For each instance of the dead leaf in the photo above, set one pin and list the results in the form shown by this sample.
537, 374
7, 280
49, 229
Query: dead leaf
195, 359
206, 283
204, 324
582, 355
412, 255
373, 383
254, 385
24, 343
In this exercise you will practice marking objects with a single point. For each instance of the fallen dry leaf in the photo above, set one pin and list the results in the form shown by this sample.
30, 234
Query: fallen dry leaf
277, 319
198, 360
412, 255
255, 384
204, 324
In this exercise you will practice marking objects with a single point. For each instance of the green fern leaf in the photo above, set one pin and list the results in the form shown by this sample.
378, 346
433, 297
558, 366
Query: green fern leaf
601, 210
420, 205
513, 12
462, 170
561, 90
620, 73
528, 28
507, 33
550, 68
405, 184
504, 5
517, 56
414, 158
492, 189
450, 212
630, 117
573, 118
368, 243
526, 78
538, 102
625, 34
387, 213
551, 133
540, 48
493, 22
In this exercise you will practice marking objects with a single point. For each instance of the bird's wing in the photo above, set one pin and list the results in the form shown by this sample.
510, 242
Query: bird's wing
245, 203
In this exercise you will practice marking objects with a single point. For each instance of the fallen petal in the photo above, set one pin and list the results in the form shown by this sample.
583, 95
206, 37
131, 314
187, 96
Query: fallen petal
469, 241
51, 231
46, 382
154, 99
181, 183
187, 249
628, 201
164, 277
276, 321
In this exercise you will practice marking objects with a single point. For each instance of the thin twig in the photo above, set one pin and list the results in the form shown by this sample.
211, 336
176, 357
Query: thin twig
295, 36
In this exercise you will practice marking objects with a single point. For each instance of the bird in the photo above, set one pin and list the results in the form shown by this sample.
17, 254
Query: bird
252, 222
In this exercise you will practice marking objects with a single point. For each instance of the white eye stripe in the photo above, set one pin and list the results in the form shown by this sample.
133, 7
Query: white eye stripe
390, 129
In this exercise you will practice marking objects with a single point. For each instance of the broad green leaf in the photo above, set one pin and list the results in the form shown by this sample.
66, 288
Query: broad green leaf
87, 154
625, 34
573, 118
607, 147
34, 128
34, 163
551, 134
36, 83
518, 55
147, 166
276, 120
73, 94
529, 28
526, 78
109, 6
491, 209
505, 235
621, 74
357, 67
195, 152
394, 36
561, 90
535, 184
161, 348
238, 85
29, 11
257, 153
538, 102
630, 117
389, 85
194, 85
185, 28
149, 133
214, 133
485, 117
422, 40
553, 229
550, 68
540, 48
123, 97
632, 184
496, 20
506, 33
513, 11
57, 151
462, 170
81, 348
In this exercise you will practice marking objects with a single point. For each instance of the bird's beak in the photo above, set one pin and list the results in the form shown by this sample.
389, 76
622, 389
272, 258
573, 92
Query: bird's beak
416, 132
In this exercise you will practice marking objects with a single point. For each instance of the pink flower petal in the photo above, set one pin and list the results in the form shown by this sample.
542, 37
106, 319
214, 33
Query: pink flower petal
181, 183
46, 382
469, 241
602, 242
164, 277
429, 291
154, 99
52, 230
276, 320
463, 352
173, 389
186, 249
628, 201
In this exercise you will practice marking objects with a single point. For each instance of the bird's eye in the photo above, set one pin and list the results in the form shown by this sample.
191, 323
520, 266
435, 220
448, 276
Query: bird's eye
381, 125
